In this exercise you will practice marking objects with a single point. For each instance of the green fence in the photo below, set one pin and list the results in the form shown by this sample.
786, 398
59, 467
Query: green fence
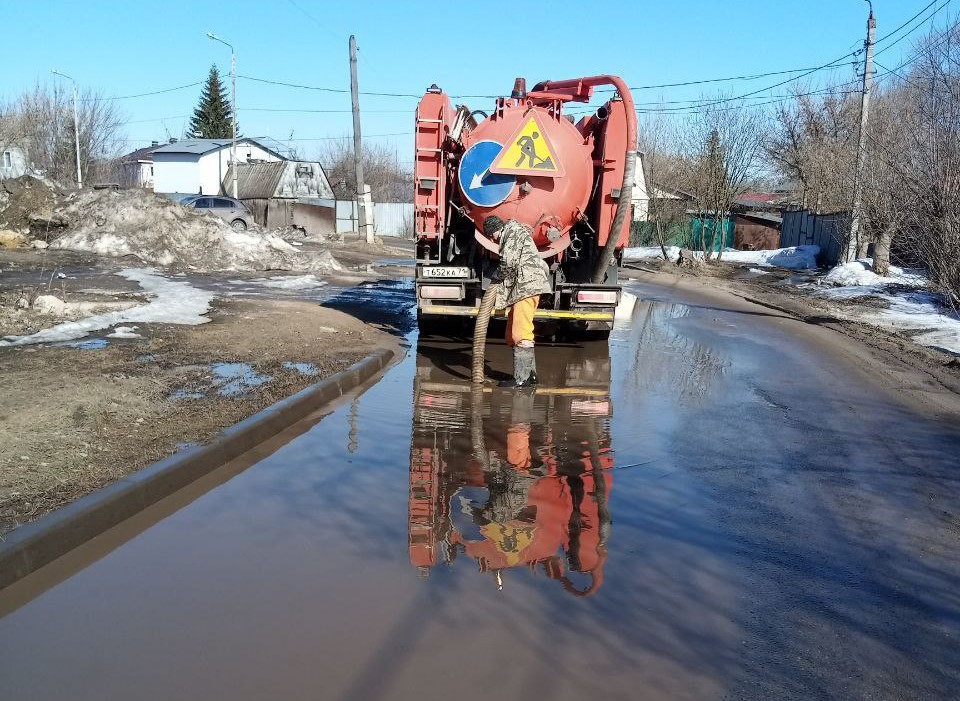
684, 234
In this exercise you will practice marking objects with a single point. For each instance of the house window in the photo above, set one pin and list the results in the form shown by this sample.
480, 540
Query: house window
7, 161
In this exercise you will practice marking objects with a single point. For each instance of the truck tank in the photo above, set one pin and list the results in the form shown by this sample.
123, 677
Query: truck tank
569, 181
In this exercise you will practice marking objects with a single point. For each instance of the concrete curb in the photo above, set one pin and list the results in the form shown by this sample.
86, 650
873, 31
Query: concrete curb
33, 545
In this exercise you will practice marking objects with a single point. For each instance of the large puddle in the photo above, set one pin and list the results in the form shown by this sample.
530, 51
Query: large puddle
666, 517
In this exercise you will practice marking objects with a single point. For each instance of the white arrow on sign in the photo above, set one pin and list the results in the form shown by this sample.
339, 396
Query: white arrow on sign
477, 179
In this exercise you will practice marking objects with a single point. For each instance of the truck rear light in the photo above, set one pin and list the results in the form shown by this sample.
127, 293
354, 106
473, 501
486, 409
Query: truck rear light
454, 292
597, 297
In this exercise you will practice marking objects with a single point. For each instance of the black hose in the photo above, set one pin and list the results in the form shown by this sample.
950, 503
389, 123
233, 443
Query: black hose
480, 331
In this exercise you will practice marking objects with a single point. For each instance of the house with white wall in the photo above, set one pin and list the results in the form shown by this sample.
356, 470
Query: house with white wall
136, 168
198, 166
13, 162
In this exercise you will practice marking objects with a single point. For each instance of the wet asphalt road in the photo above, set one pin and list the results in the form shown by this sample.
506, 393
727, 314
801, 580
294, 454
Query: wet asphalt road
711, 509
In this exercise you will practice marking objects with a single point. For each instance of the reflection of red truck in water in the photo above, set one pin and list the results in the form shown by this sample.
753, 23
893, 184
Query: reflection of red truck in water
512, 478
569, 181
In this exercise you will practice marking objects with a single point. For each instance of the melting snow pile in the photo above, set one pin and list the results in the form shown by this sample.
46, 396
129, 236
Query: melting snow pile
173, 302
794, 258
860, 273
283, 282
638, 253
159, 231
921, 312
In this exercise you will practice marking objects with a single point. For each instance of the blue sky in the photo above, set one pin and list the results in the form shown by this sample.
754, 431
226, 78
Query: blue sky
127, 48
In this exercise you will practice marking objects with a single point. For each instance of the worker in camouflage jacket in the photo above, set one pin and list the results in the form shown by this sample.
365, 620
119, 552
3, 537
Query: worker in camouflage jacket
524, 276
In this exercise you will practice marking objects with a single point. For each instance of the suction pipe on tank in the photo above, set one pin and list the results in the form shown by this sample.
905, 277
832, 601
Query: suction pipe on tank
630, 163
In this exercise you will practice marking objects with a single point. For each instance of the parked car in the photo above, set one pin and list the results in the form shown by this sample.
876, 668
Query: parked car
230, 210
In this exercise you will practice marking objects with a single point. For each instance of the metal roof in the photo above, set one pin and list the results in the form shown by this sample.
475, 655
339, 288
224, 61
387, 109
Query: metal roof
286, 179
141, 154
256, 180
195, 146
199, 147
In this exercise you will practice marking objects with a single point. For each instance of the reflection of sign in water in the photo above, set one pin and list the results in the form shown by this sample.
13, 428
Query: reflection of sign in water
528, 152
479, 185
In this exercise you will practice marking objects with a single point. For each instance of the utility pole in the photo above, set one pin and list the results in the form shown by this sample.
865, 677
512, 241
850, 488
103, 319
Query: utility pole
233, 106
363, 194
855, 225
76, 126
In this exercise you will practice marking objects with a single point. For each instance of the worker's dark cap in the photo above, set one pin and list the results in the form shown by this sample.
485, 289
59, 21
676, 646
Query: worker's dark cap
492, 225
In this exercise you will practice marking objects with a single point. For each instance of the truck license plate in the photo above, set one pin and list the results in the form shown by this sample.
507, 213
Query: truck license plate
445, 271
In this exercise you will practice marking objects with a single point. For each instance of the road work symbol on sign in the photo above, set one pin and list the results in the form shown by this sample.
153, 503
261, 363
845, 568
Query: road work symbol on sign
528, 152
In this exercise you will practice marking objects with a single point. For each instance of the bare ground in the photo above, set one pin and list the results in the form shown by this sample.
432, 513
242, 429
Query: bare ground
73, 420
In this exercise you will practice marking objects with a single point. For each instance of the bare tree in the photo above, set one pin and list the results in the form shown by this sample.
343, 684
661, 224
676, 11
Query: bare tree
43, 121
812, 143
388, 181
661, 164
725, 143
928, 158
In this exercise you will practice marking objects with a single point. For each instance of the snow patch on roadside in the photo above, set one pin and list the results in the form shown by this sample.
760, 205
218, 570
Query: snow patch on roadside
173, 302
793, 258
285, 282
624, 310
638, 253
921, 312
860, 273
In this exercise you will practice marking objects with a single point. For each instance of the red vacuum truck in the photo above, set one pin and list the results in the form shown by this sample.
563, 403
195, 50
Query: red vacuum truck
570, 180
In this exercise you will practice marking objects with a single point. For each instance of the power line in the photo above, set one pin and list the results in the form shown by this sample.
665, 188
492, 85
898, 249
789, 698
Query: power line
312, 111
891, 33
920, 24
143, 94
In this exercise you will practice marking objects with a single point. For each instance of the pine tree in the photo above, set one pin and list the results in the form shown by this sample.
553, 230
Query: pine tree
212, 119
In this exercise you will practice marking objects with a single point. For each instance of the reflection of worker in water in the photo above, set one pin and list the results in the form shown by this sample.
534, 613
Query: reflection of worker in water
525, 276
528, 151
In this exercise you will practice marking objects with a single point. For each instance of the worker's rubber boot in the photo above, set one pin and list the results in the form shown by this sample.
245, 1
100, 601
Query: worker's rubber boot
524, 368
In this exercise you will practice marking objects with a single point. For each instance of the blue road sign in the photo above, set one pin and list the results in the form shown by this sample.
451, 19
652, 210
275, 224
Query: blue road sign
478, 184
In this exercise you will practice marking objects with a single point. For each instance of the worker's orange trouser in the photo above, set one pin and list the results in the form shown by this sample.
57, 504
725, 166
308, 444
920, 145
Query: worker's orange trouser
518, 446
520, 320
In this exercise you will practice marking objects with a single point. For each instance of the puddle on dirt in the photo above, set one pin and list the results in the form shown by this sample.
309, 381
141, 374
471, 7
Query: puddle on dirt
308, 369
234, 379
92, 344
186, 394
614, 534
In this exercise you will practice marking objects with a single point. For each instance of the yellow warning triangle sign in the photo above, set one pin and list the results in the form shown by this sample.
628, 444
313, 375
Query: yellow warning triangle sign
528, 152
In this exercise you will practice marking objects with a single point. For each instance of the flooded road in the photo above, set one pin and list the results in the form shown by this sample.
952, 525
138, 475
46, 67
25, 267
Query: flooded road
708, 508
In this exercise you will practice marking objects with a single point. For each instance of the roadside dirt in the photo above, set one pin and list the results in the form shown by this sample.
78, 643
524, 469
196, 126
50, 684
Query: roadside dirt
925, 378
72, 420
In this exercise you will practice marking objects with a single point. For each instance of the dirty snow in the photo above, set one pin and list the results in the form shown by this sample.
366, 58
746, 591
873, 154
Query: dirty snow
860, 273
161, 232
124, 332
638, 253
921, 312
172, 302
625, 307
53, 305
285, 282
794, 258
